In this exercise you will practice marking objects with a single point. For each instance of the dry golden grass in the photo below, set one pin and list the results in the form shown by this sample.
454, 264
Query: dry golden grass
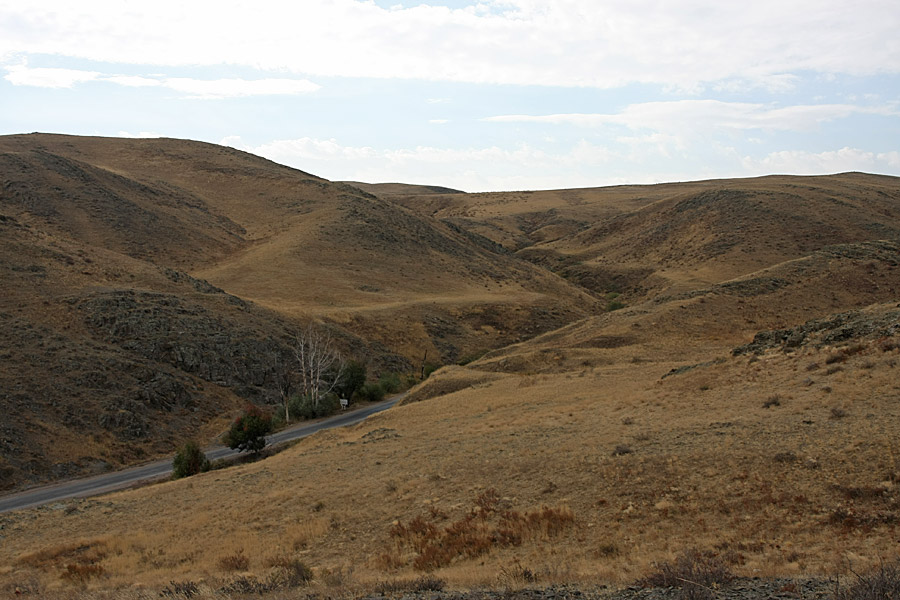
573, 456
782, 490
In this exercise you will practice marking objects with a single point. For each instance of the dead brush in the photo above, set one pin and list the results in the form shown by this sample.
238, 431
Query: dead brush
288, 571
697, 574
234, 562
425, 583
81, 573
517, 575
179, 590
81, 552
880, 584
486, 526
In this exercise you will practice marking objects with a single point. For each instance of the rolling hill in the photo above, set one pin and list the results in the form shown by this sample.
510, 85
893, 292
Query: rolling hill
153, 283
707, 365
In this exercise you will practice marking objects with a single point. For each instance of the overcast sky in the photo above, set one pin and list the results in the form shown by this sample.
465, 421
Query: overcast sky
495, 95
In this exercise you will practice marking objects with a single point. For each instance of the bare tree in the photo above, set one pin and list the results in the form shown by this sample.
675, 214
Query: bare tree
283, 375
320, 364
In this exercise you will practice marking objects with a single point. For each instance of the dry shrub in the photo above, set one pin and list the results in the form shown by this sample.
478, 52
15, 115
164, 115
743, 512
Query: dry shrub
82, 573
697, 574
180, 589
302, 534
247, 584
81, 552
336, 576
425, 583
774, 400
234, 562
888, 344
288, 571
836, 357
622, 450
517, 575
488, 525
880, 584
844, 353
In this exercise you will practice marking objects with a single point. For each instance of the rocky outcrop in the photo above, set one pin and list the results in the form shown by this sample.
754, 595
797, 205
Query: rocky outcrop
835, 329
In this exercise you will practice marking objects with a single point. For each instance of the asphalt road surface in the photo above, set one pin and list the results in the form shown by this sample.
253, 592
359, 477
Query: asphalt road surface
117, 480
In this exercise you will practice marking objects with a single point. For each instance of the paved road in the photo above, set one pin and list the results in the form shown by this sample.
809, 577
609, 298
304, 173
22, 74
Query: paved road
117, 480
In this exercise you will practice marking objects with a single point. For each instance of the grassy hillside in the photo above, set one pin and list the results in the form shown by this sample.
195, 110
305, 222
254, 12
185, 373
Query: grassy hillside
153, 284
739, 400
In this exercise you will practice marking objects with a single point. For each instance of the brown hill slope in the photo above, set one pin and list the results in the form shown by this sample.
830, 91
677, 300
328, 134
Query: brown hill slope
778, 464
639, 240
304, 246
616, 440
99, 235
403, 189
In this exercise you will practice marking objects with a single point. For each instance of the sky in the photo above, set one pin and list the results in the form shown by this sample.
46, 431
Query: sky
478, 96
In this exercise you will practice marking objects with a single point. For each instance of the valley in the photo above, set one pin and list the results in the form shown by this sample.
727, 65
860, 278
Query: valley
626, 373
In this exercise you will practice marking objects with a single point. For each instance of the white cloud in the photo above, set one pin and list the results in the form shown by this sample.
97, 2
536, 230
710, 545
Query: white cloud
454, 167
681, 44
817, 163
237, 88
132, 80
692, 115
140, 134
193, 88
48, 78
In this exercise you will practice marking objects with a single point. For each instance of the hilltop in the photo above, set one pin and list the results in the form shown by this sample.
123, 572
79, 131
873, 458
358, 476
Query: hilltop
648, 369
154, 284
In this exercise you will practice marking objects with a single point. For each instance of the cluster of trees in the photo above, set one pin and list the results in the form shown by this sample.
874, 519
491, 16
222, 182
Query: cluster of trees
311, 378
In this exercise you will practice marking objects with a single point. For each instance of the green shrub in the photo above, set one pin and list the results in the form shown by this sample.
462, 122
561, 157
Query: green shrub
305, 408
278, 420
371, 392
468, 358
353, 378
189, 460
248, 432
390, 383
614, 305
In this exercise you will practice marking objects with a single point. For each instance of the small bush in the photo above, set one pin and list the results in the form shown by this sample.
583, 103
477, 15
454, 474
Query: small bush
390, 383
516, 574
371, 392
614, 305
697, 574
249, 431
772, 401
622, 450
289, 572
305, 408
180, 589
82, 573
234, 562
468, 358
425, 583
491, 523
785, 457
189, 460
881, 584
838, 413
887, 344
836, 357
